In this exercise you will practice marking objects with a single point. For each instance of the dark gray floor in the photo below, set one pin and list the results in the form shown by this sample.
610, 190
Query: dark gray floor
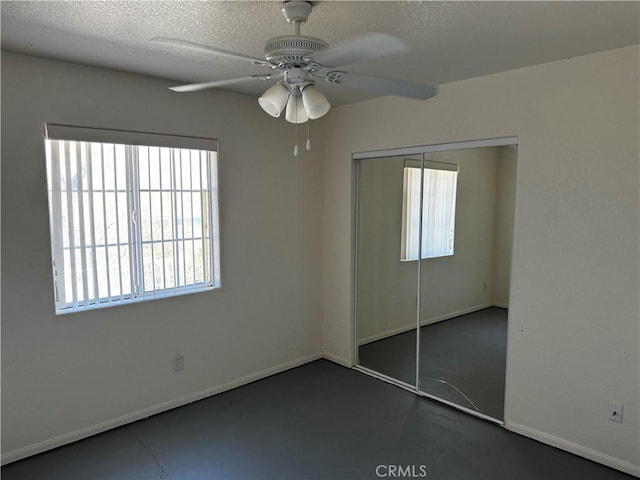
318, 421
463, 355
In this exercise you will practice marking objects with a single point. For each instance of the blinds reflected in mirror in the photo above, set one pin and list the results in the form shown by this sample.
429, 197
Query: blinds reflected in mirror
436, 185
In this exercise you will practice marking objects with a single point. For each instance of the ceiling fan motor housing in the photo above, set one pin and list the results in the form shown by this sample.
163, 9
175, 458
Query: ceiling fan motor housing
291, 50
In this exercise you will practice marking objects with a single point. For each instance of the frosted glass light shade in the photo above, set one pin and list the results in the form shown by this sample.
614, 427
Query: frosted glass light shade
295, 105
315, 103
274, 99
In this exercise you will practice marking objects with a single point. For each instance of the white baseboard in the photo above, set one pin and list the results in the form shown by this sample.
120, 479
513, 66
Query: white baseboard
575, 448
385, 334
501, 305
426, 321
70, 437
336, 359
457, 313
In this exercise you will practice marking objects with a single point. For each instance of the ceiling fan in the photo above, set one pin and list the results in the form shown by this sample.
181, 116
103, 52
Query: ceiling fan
298, 61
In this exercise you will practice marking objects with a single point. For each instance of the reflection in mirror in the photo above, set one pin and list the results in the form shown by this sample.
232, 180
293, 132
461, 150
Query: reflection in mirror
465, 295
466, 220
386, 310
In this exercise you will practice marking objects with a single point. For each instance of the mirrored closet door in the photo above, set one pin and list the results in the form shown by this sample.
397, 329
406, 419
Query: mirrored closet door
434, 232
386, 287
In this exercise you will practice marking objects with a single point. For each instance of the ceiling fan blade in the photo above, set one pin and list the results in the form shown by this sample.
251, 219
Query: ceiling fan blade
173, 42
194, 87
382, 85
357, 49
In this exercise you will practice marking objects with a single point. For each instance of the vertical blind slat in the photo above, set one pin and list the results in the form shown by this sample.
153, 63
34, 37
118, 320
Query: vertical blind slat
70, 224
136, 221
83, 252
183, 241
129, 163
56, 209
104, 224
153, 259
164, 261
203, 222
212, 182
115, 185
405, 211
92, 226
174, 221
193, 229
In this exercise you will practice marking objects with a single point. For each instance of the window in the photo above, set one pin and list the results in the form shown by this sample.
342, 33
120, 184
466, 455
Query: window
130, 222
439, 183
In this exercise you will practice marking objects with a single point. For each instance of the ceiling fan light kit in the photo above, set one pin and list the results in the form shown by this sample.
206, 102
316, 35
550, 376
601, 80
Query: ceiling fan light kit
274, 99
295, 112
300, 60
315, 103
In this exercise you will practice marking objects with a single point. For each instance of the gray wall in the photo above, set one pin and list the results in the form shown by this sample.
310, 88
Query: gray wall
64, 377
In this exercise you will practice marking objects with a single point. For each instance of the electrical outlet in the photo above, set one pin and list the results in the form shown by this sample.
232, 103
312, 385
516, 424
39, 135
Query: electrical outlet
615, 412
178, 363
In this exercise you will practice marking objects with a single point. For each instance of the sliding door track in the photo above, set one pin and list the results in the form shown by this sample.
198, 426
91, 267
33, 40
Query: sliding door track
413, 389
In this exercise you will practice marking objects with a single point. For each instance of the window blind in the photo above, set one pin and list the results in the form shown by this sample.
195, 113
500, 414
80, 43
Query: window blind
129, 221
429, 202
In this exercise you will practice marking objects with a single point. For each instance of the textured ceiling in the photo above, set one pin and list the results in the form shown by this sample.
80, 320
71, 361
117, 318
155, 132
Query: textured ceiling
447, 41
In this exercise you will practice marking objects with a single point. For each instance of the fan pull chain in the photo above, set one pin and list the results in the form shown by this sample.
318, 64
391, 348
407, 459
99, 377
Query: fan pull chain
308, 146
295, 131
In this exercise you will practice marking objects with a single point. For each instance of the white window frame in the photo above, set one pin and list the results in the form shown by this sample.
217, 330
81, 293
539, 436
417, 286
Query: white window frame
69, 149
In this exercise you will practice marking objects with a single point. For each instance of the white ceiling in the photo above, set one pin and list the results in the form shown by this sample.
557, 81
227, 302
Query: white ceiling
447, 41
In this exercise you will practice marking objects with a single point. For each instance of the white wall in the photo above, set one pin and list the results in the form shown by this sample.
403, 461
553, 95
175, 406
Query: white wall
574, 312
451, 285
63, 376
